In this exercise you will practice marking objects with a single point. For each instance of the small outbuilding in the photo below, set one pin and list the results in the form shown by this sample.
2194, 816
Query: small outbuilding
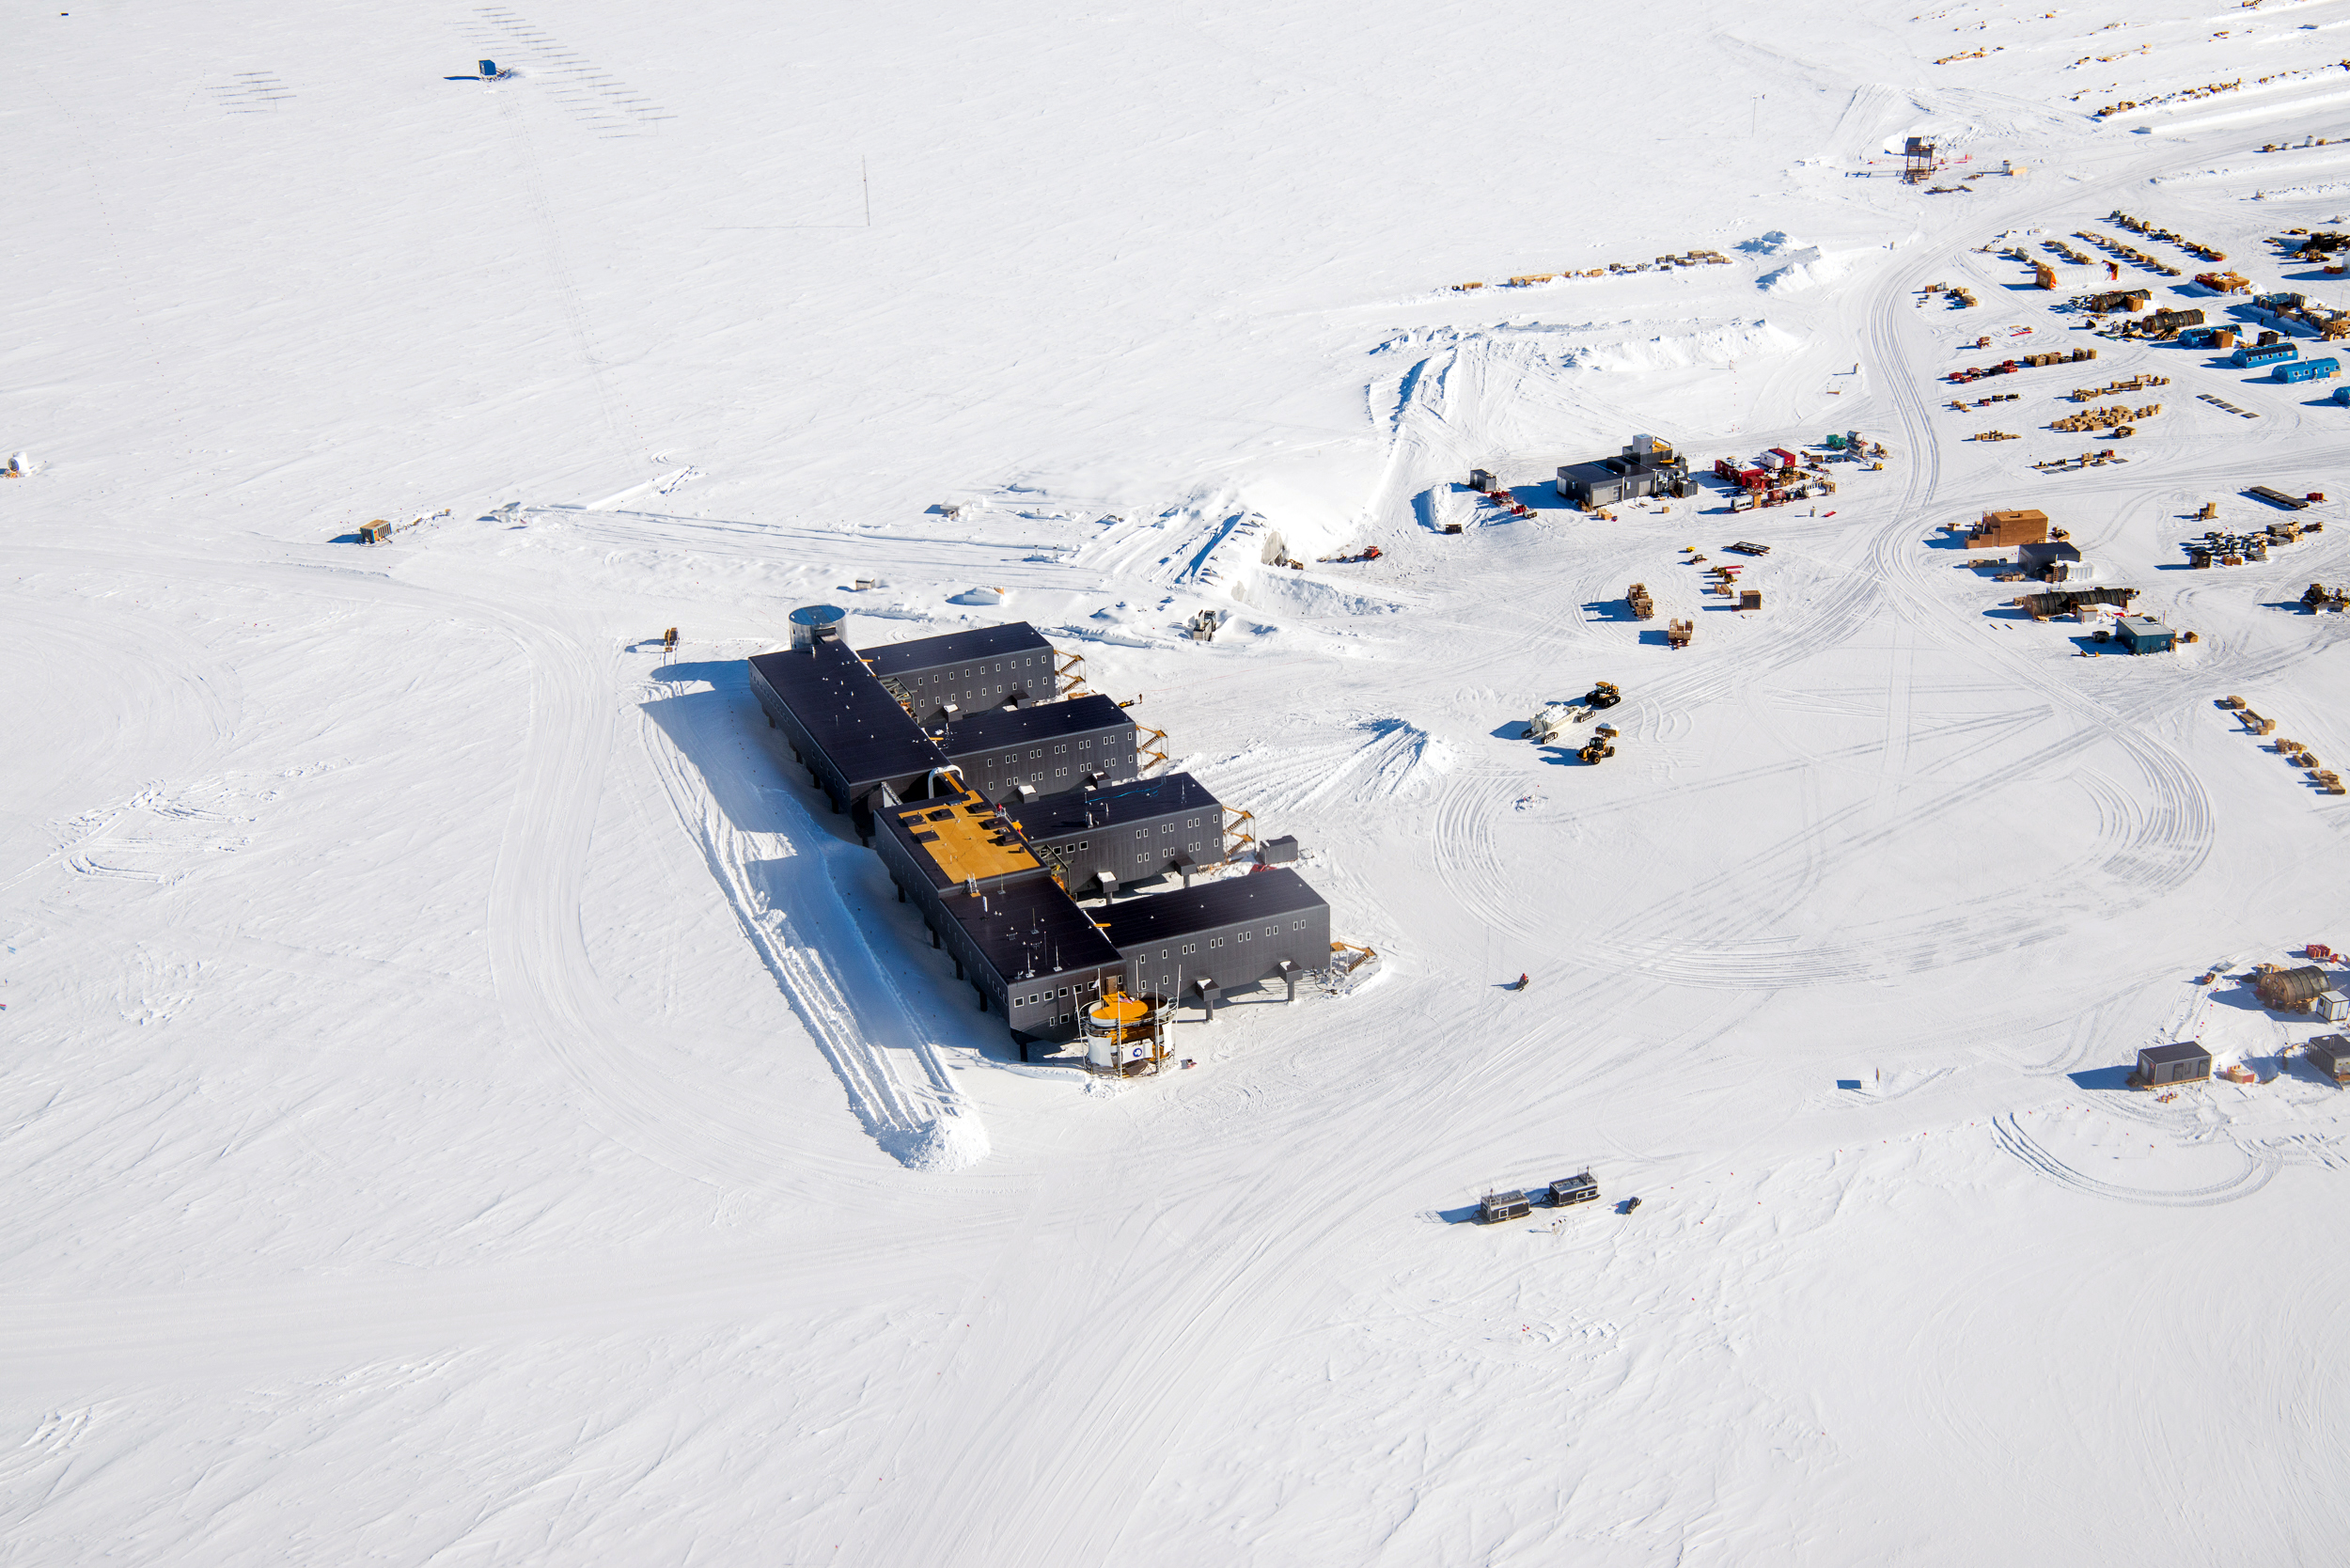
1573, 1189
2330, 1054
2331, 1006
1498, 1206
2144, 634
2036, 556
2183, 1063
2000, 529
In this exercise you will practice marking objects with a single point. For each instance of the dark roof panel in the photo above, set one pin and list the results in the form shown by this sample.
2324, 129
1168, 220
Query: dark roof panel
2184, 1051
1051, 816
1032, 927
1003, 726
1162, 916
849, 715
955, 647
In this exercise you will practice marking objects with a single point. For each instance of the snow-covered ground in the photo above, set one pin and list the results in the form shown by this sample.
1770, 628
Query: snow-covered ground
464, 1100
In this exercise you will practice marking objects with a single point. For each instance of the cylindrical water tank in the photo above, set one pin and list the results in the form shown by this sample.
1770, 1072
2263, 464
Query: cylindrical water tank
815, 623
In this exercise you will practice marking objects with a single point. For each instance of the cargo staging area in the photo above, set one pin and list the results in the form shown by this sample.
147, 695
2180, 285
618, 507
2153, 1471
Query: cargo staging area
1749, 886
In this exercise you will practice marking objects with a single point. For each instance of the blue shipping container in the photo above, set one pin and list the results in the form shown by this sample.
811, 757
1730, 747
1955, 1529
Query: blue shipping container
2308, 370
2267, 354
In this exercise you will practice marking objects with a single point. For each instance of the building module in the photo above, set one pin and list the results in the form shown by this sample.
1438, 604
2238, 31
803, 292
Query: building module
995, 794
1112, 834
1025, 946
2001, 529
1646, 466
1050, 746
844, 726
963, 672
1222, 935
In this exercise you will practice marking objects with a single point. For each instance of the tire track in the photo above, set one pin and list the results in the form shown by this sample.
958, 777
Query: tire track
2259, 1170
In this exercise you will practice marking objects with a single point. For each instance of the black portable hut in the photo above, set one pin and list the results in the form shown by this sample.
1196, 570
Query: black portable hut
2330, 1054
2184, 1063
1500, 1206
1573, 1189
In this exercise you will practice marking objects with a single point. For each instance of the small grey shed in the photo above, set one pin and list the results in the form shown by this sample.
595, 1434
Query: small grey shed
1573, 1189
2330, 1054
2183, 1063
1498, 1206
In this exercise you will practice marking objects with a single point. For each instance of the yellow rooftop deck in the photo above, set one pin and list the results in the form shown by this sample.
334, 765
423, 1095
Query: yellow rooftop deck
962, 836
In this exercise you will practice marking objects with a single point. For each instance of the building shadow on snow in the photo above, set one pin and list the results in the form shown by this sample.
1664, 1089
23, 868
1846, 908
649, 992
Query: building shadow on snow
2113, 1078
700, 723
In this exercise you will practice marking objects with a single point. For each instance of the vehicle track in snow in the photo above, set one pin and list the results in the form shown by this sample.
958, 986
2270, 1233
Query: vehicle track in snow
2260, 1166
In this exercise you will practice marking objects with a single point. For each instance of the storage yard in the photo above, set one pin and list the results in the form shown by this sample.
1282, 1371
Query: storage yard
622, 652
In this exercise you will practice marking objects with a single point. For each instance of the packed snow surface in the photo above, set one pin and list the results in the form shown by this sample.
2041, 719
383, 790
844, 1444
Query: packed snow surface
466, 1099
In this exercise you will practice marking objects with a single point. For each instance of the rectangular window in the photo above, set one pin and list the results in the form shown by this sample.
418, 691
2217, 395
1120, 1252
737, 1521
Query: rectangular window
1167, 828
1247, 935
1162, 953
1194, 822
1298, 925
1060, 748
1191, 948
1082, 845
1216, 941
1142, 833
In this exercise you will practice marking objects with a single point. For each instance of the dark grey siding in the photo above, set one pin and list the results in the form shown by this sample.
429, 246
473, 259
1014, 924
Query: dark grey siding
1047, 766
844, 728
1236, 955
1093, 831
1237, 931
974, 670
1144, 847
1041, 1006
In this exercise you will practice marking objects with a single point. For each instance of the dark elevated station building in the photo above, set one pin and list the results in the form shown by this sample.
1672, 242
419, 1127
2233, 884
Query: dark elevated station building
964, 672
1113, 833
1014, 794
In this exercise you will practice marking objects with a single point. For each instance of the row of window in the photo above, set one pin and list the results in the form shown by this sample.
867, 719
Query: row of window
948, 677
1049, 994
1190, 947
